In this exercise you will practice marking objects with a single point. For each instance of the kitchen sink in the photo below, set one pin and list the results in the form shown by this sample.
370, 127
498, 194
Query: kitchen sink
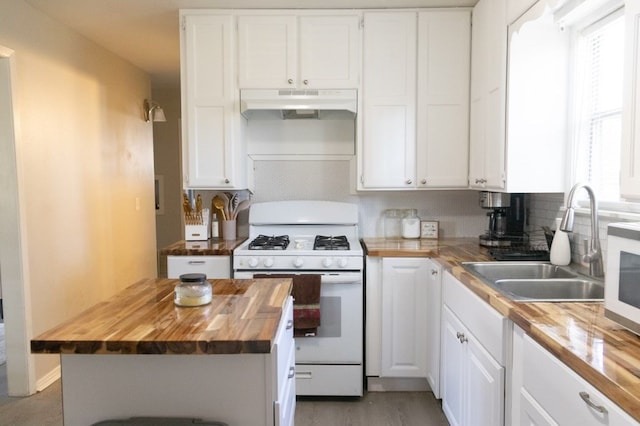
494, 271
550, 290
537, 281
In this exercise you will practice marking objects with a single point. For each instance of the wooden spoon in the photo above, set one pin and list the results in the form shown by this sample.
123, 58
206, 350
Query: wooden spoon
219, 204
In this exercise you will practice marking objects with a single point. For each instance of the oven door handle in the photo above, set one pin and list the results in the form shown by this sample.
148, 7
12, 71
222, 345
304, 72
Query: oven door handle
343, 278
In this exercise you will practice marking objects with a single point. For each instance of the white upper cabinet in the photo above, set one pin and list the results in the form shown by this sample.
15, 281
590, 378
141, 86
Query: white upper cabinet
444, 43
212, 147
278, 52
387, 154
415, 97
630, 160
519, 89
488, 88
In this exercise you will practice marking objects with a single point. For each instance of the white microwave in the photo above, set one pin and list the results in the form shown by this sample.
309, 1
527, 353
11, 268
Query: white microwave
622, 277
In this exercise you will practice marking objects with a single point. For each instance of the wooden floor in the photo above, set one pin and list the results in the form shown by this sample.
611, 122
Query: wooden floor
374, 409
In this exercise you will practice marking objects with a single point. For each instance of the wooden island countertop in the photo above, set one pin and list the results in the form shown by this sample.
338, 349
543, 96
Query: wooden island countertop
604, 353
142, 319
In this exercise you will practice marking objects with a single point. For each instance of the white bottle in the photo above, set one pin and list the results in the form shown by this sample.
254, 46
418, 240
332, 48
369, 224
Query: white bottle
215, 230
560, 247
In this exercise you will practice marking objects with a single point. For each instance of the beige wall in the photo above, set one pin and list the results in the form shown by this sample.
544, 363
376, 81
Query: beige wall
85, 167
166, 140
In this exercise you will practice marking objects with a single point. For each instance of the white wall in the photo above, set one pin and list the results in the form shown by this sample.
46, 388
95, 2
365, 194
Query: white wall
85, 170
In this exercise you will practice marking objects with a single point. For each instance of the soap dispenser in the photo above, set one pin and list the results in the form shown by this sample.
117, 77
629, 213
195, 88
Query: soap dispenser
560, 247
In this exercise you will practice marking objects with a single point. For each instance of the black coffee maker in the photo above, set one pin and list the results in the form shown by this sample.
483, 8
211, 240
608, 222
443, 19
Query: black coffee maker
506, 219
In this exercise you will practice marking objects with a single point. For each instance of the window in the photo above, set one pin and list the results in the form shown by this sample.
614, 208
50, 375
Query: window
597, 111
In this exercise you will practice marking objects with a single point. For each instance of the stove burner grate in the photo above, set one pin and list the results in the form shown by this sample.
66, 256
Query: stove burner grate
265, 242
331, 243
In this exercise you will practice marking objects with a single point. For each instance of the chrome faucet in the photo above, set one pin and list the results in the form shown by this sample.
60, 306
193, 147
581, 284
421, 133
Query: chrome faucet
593, 252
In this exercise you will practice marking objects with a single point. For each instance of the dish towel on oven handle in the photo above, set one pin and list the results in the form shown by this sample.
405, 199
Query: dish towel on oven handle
306, 302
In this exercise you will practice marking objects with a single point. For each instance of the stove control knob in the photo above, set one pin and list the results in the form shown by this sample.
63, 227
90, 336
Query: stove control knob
298, 262
342, 262
327, 261
268, 262
253, 262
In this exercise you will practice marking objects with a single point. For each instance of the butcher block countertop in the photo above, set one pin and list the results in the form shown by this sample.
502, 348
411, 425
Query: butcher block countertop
211, 247
142, 319
599, 350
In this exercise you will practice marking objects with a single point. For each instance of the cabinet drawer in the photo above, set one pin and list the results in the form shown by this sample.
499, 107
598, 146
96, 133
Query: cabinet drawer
557, 389
284, 407
341, 380
211, 266
484, 322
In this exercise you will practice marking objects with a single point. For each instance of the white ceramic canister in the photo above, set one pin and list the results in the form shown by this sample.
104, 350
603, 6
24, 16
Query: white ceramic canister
411, 224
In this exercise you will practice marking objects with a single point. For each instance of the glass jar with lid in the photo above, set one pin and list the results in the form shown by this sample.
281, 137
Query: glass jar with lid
410, 224
392, 221
193, 290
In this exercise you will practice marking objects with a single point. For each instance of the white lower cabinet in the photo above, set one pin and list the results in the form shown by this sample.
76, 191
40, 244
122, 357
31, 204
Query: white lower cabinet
212, 266
547, 392
403, 301
474, 343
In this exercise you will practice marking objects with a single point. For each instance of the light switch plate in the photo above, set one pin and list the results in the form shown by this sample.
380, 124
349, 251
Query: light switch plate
429, 229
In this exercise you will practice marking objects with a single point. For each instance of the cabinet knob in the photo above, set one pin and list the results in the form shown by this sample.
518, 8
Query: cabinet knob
409, 182
461, 337
292, 372
434, 272
306, 82
599, 408
423, 181
227, 181
290, 81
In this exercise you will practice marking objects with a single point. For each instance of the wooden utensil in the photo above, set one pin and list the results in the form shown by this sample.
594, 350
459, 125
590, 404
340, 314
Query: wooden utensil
243, 205
219, 204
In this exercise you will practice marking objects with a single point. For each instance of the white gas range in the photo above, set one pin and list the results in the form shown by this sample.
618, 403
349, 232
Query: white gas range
315, 238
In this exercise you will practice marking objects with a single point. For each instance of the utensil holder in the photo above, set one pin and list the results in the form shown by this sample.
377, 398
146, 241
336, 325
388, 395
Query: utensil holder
229, 229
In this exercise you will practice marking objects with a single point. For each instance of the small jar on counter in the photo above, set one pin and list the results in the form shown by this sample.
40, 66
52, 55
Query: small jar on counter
193, 290
410, 224
392, 223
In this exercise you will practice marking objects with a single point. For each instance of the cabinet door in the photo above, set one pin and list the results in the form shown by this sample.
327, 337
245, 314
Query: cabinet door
209, 97
488, 84
404, 317
444, 46
484, 390
329, 52
267, 52
434, 310
453, 366
531, 413
630, 152
387, 157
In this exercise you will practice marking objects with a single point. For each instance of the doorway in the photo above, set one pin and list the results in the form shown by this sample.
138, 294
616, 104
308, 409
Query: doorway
20, 377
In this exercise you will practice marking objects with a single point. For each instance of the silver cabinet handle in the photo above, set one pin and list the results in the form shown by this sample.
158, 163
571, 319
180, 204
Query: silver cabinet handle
292, 372
409, 182
306, 81
196, 262
434, 272
227, 181
461, 337
289, 324
481, 180
290, 81
423, 181
599, 408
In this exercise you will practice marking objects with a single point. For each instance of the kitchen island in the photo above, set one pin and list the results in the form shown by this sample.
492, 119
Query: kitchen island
137, 354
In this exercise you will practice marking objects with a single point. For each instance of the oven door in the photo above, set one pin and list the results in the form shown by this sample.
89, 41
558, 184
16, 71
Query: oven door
339, 337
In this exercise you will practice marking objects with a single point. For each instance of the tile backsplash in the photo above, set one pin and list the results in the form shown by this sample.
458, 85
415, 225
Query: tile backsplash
457, 211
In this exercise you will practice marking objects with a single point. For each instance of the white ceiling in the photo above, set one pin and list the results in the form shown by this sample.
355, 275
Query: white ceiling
145, 32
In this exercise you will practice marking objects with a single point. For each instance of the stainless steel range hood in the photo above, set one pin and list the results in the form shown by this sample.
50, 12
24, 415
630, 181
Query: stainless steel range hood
281, 104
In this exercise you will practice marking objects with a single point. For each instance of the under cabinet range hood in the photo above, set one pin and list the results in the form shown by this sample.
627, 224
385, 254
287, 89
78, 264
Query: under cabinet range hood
280, 104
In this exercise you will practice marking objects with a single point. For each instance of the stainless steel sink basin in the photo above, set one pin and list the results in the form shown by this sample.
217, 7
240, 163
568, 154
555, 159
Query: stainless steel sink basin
537, 281
493, 271
551, 290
